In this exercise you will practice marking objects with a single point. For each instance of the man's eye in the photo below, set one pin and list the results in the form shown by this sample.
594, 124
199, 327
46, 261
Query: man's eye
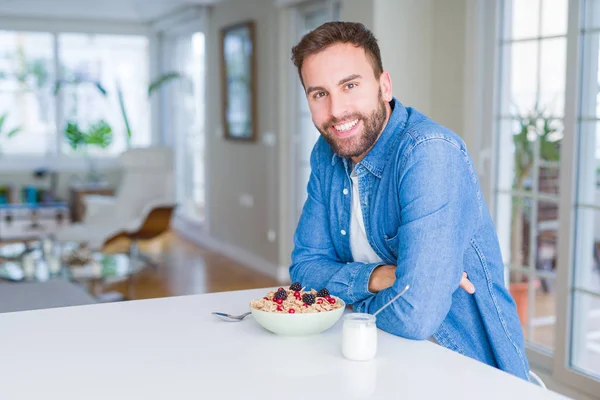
351, 86
319, 95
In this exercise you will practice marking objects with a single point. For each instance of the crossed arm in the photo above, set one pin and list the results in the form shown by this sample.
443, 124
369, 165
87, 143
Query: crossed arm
439, 214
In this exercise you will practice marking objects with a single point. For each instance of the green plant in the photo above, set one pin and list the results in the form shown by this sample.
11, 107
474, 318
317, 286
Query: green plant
75, 136
535, 128
161, 80
154, 86
98, 134
11, 132
59, 84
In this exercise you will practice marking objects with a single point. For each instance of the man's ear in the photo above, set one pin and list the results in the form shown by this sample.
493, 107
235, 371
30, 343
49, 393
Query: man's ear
385, 83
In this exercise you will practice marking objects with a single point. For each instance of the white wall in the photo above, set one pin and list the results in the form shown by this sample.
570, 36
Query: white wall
448, 64
404, 29
239, 170
423, 47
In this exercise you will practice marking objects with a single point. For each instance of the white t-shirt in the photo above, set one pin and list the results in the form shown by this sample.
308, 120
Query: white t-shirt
359, 244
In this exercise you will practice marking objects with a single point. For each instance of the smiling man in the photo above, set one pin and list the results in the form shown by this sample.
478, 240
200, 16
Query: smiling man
393, 199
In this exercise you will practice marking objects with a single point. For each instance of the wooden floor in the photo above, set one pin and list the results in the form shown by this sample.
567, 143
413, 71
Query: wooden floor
186, 269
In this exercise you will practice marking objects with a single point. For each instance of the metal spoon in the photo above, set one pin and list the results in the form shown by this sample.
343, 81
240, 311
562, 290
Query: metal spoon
231, 318
396, 297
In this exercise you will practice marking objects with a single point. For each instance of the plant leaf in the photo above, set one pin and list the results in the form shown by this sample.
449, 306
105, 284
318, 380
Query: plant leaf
161, 80
100, 88
124, 113
13, 132
74, 135
2, 120
99, 134
58, 85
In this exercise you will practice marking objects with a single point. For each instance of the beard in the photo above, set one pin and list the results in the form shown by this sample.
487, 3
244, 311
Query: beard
361, 142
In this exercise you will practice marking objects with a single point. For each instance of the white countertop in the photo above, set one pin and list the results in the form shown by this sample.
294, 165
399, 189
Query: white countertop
174, 348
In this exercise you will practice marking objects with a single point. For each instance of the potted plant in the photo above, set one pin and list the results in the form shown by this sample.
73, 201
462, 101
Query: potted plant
535, 128
98, 134
152, 87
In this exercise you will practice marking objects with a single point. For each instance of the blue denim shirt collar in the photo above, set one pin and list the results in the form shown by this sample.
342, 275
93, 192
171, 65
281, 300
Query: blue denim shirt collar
375, 160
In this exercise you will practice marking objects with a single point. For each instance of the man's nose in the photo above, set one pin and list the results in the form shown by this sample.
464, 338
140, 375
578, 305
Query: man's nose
337, 107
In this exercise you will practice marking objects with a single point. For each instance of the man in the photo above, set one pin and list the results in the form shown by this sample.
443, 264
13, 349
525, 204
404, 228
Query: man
393, 199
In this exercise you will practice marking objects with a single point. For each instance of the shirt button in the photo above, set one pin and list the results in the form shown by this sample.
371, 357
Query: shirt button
343, 232
345, 191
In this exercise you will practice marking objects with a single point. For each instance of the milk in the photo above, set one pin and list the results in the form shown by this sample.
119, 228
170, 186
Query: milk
359, 337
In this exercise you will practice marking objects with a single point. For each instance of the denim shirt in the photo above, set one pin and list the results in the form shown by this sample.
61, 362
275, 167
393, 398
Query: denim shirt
424, 212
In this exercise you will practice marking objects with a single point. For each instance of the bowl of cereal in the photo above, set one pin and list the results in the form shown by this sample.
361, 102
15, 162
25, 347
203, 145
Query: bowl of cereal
296, 312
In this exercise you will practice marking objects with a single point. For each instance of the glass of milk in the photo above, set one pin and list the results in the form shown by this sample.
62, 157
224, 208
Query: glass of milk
359, 337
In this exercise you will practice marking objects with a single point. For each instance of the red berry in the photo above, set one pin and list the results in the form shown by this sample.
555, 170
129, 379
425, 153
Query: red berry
279, 301
279, 308
305, 305
320, 300
297, 293
280, 289
331, 300
266, 298
292, 311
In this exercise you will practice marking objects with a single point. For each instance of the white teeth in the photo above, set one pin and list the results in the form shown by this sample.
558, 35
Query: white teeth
346, 126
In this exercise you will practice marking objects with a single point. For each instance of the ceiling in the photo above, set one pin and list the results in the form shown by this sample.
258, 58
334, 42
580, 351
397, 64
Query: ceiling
109, 10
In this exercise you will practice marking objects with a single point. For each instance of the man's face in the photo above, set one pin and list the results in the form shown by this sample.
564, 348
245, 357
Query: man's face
347, 102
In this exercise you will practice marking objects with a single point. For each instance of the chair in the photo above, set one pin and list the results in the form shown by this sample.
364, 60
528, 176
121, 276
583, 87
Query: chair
537, 380
147, 183
156, 222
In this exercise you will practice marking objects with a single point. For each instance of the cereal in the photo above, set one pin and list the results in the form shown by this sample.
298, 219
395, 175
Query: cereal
296, 300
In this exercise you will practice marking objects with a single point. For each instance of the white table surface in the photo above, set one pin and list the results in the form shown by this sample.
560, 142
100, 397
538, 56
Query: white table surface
174, 348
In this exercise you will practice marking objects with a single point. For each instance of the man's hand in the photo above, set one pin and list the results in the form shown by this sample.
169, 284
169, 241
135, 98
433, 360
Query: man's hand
466, 284
384, 276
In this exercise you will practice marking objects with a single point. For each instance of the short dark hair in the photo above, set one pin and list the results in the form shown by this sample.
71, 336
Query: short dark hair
331, 33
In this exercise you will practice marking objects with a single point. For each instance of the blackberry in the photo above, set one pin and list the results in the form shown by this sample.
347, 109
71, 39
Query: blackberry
323, 293
296, 287
281, 294
308, 298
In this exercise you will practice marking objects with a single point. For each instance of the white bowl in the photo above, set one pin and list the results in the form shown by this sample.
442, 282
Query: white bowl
299, 324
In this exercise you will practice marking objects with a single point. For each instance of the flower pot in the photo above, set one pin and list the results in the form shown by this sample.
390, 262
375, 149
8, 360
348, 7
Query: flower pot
520, 293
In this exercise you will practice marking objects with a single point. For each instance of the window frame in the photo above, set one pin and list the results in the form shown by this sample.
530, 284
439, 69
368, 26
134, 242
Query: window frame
558, 364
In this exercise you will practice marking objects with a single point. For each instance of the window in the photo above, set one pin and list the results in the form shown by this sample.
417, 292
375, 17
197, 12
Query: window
185, 99
533, 54
120, 65
585, 285
549, 224
27, 74
48, 80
